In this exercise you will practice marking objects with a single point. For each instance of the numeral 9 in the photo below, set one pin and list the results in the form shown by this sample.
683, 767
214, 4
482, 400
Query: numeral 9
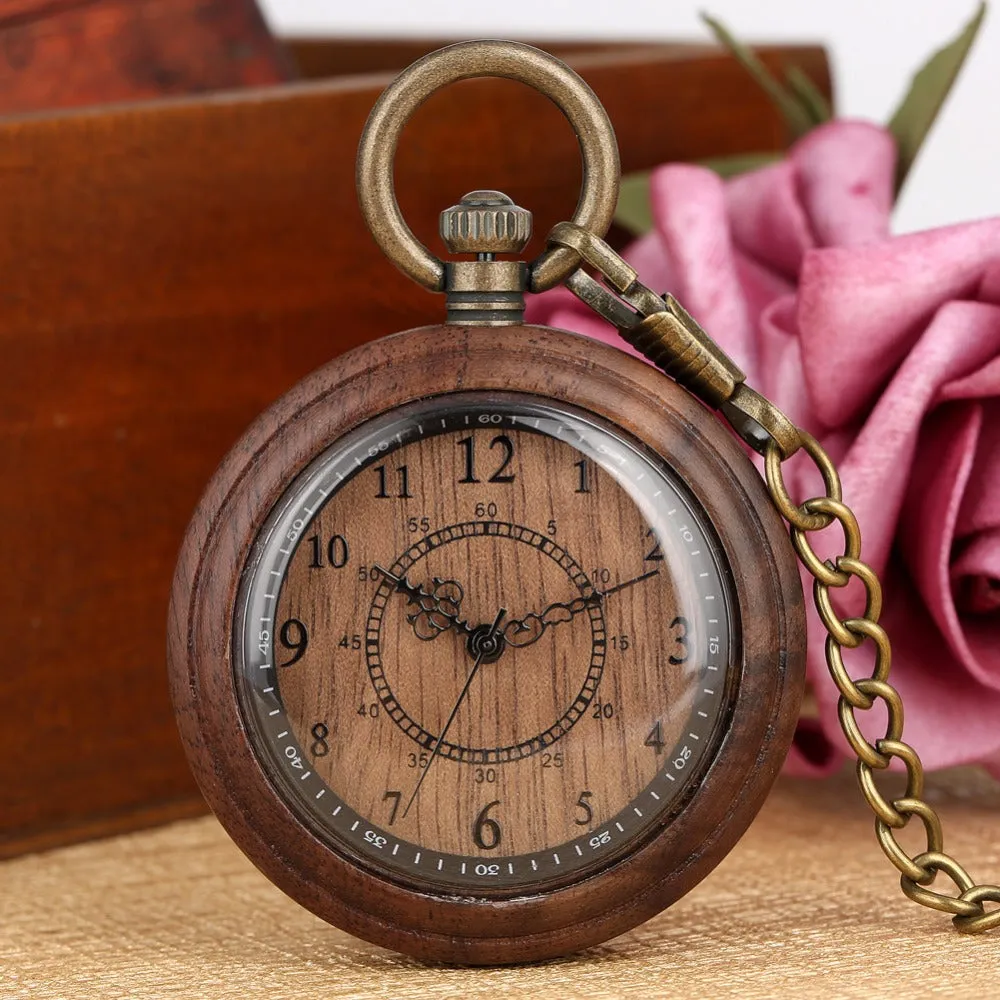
295, 638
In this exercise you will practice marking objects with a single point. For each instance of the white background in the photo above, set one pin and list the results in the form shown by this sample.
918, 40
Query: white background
875, 46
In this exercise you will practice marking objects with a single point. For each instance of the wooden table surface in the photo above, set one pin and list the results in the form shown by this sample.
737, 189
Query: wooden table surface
805, 906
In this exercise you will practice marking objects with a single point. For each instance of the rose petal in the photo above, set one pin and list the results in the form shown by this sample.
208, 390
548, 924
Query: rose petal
780, 361
876, 470
835, 188
689, 211
980, 510
651, 263
989, 285
975, 577
862, 308
982, 383
948, 444
980, 560
846, 174
767, 220
761, 288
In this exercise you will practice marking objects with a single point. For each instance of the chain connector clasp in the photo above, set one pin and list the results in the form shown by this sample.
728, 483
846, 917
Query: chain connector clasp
665, 333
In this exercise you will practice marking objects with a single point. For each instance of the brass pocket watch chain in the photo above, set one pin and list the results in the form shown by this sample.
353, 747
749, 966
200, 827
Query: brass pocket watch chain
663, 332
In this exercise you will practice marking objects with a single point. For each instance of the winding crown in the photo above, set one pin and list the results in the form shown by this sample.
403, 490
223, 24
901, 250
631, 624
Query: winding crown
485, 222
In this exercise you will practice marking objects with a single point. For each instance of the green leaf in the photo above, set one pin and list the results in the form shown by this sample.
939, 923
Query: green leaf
739, 163
930, 87
634, 211
797, 115
809, 95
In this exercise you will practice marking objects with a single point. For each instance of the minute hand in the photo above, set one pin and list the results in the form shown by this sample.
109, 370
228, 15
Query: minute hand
524, 631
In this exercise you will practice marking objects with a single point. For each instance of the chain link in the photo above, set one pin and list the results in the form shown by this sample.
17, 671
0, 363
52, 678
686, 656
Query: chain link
661, 329
917, 871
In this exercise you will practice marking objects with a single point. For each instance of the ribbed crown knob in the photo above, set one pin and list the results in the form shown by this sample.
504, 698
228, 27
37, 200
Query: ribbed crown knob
485, 222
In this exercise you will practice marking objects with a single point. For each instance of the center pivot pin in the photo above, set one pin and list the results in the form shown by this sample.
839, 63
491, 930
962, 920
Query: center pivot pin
486, 643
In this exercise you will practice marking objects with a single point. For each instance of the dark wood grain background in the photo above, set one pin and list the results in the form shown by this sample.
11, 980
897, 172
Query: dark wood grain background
169, 267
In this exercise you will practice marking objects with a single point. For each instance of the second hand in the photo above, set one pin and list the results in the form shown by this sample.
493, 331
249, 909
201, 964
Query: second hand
451, 718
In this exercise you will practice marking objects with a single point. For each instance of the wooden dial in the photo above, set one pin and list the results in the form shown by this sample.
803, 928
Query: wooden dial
500, 642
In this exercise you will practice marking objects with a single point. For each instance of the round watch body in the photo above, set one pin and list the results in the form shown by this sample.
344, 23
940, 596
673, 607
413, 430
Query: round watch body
486, 645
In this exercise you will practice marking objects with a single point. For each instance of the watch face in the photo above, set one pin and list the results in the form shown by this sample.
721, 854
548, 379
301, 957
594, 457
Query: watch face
484, 644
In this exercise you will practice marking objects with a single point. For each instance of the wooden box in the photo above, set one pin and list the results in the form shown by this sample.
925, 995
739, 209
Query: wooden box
168, 269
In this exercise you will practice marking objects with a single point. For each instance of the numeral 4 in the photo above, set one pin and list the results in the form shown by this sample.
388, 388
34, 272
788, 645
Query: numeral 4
655, 738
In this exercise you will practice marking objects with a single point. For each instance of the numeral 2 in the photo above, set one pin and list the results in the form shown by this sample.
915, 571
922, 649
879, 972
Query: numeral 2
655, 554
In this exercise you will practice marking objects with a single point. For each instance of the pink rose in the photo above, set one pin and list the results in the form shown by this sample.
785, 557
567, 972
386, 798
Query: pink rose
888, 350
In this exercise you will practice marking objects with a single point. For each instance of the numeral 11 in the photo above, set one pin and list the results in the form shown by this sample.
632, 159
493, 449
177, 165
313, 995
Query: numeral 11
404, 483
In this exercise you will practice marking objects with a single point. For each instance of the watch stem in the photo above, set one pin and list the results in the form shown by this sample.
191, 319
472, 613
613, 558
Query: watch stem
485, 291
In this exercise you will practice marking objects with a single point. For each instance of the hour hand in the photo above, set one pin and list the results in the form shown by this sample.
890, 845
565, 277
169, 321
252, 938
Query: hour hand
438, 609
524, 631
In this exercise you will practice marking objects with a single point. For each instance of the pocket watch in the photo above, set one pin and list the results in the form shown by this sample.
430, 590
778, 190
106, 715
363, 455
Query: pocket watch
486, 640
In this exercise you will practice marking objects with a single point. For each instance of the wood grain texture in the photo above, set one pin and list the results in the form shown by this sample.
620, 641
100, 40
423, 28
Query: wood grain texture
89, 52
804, 906
169, 269
770, 664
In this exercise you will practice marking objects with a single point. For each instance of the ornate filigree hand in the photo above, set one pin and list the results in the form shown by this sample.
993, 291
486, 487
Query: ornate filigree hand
520, 632
438, 609
524, 631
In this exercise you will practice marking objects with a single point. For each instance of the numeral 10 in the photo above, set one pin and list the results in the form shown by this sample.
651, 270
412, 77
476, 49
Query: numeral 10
336, 551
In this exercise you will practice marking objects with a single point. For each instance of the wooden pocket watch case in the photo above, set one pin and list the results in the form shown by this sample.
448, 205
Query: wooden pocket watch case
768, 658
